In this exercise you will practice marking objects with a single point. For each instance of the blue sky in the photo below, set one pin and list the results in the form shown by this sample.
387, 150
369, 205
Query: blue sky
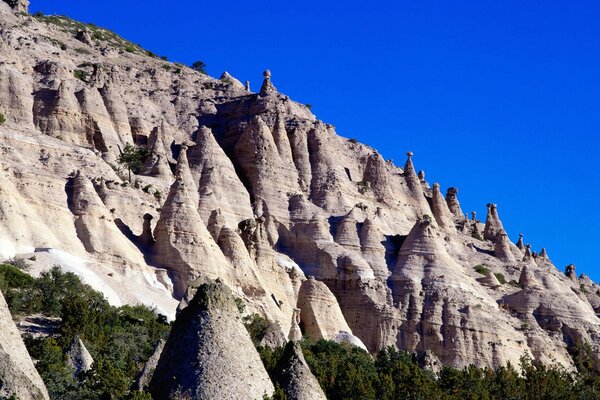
500, 99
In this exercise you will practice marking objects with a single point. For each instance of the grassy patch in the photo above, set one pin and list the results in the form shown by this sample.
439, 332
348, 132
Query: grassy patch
481, 269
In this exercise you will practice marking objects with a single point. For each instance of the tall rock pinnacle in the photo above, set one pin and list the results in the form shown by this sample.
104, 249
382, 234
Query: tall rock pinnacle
209, 353
267, 87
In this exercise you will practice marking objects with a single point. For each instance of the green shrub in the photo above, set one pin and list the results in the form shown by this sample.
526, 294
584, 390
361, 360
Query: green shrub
199, 66
500, 277
133, 157
256, 326
119, 339
481, 269
80, 74
2, 119
129, 48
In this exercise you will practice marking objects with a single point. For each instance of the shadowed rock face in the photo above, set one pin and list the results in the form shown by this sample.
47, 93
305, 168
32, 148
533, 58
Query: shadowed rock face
253, 189
78, 356
209, 353
295, 377
17, 372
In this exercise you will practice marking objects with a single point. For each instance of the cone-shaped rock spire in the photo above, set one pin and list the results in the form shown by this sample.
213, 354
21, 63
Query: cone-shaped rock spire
320, 312
570, 272
295, 332
183, 244
294, 376
209, 353
520, 243
493, 225
183, 171
157, 162
453, 203
78, 356
145, 375
267, 87
440, 209
491, 280
502, 249
527, 278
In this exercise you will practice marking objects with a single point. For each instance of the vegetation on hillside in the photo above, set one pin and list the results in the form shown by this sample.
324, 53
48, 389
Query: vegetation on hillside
120, 339
346, 372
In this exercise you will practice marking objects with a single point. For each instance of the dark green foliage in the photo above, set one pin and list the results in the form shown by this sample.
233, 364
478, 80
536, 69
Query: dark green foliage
2, 119
256, 326
80, 74
501, 278
351, 373
309, 106
481, 269
199, 66
120, 339
133, 157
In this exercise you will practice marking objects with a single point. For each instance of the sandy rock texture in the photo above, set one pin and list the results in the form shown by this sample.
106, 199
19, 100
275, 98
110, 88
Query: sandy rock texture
209, 353
253, 189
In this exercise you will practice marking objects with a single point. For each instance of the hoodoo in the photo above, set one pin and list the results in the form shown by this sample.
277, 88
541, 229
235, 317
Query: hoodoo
209, 353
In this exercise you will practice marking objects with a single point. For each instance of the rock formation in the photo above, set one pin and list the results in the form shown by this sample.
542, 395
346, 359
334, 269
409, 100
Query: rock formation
294, 376
209, 353
493, 225
453, 203
78, 357
17, 372
145, 376
253, 189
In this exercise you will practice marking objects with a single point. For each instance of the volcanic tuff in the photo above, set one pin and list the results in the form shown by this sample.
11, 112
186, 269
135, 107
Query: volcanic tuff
209, 353
255, 190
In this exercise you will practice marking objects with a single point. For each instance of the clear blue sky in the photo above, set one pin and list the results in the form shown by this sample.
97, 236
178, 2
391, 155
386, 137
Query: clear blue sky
498, 98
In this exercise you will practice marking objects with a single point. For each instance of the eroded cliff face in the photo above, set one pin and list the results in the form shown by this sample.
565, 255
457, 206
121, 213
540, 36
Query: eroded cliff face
251, 188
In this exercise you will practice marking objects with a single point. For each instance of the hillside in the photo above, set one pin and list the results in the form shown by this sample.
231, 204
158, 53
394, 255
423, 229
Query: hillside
251, 188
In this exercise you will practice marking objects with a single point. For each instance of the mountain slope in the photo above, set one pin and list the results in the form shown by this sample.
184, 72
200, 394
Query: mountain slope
254, 189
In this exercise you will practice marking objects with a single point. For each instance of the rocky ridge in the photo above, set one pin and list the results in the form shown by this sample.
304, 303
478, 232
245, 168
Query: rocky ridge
246, 187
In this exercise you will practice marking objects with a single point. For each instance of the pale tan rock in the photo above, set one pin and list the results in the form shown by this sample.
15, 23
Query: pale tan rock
209, 353
441, 212
320, 313
218, 184
502, 249
183, 244
78, 357
453, 203
493, 225
295, 333
294, 376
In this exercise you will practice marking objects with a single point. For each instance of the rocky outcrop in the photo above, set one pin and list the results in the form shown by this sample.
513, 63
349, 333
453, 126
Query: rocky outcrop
294, 376
183, 244
265, 195
453, 203
78, 357
145, 376
502, 249
441, 212
218, 183
493, 225
209, 353
435, 306
319, 311
17, 372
